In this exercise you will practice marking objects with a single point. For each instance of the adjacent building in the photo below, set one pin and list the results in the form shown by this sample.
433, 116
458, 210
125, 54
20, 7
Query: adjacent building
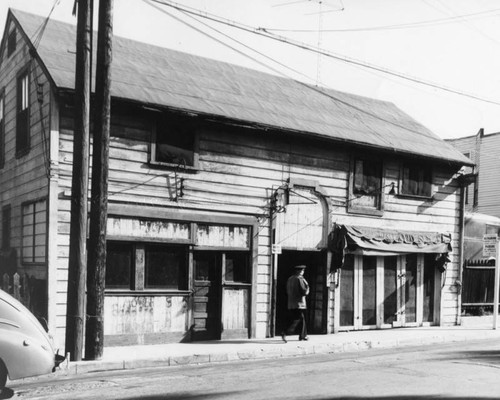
222, 179
482, 218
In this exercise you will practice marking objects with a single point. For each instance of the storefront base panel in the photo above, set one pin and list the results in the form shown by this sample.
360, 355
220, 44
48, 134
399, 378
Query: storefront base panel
146, 339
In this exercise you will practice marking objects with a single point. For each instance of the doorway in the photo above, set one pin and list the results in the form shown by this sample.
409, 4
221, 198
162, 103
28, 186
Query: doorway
384, 292
315, 275
221, 294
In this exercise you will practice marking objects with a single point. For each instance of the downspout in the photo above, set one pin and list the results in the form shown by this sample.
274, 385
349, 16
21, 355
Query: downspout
461, 240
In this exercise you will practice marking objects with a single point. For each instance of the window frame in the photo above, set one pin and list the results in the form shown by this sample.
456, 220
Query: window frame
138, 278
354, 208
164, 120
34, 233
23, 113
426, 170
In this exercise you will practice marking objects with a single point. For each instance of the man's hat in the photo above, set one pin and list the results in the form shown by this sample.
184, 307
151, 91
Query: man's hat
300, 267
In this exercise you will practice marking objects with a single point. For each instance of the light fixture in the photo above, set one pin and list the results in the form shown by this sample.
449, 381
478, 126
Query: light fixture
393, 188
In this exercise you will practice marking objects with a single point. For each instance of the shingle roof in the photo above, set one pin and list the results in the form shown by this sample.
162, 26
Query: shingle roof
156, 75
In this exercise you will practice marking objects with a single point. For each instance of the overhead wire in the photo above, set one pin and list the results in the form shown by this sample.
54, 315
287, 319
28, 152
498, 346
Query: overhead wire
305, 46
461, 20
409, 25
231, 47
36, 39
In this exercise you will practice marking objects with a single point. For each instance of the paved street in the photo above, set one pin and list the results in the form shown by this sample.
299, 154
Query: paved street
456, 371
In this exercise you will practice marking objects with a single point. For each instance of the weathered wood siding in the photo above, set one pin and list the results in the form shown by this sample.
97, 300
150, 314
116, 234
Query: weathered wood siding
24, 179
483, 150
239, 174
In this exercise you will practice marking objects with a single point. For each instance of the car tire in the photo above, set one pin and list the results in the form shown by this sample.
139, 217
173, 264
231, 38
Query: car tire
3, 375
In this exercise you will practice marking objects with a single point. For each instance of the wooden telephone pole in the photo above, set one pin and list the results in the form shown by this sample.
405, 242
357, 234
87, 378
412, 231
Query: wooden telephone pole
79, 185
96, 270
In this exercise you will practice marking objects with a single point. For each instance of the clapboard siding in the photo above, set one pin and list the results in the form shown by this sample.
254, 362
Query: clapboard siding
24, 179
239, 174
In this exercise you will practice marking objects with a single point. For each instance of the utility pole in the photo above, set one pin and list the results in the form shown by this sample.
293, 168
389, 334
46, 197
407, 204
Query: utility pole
94, 342
77, 265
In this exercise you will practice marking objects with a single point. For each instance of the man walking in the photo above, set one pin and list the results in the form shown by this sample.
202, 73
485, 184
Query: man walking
297, 289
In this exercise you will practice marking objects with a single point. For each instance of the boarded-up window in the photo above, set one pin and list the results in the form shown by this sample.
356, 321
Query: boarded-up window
23, 114
223, 236
148, 229
6, 227
34, 220
416, 181
2, 129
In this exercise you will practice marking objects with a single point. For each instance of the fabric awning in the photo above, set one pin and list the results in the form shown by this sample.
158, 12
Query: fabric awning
347, 239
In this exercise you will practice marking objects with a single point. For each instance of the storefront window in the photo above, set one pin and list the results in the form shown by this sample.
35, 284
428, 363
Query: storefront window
119, 265
165, 267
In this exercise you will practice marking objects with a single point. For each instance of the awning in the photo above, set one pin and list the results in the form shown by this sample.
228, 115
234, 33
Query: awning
346, 239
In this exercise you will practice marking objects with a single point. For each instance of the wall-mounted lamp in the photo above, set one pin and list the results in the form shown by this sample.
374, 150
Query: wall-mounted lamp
393, 188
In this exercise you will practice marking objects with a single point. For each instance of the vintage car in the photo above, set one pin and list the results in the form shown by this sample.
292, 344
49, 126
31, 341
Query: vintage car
26, 349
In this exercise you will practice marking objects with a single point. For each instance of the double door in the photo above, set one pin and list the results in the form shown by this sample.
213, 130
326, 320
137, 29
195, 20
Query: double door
384, 292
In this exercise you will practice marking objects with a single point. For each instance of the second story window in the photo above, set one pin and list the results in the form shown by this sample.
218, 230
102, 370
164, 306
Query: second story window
365, 193
2, 129
11, 43
416, 180
174, 142
23, 115
5, 227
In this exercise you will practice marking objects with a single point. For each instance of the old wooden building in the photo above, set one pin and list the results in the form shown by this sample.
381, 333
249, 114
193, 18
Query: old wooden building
222, 179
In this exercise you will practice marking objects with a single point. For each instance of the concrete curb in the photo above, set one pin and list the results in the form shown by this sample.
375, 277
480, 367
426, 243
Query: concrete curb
251, 351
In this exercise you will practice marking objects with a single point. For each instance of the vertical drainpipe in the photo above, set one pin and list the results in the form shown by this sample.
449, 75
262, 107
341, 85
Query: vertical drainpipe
458, 283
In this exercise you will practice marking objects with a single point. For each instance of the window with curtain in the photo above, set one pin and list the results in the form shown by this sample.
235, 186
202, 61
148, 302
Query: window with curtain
416, 180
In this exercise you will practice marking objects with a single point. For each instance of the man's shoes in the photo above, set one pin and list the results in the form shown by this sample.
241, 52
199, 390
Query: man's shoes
283, 336
304, 338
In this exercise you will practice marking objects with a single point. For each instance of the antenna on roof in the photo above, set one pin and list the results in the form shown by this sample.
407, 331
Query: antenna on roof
322, 10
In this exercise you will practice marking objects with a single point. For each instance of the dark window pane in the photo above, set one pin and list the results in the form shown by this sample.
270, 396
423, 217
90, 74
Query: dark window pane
11, 43
411, 288
6, 227
165, 267
390, 289
416, 181
237, 267
347, 292
119, 258
175, 141
429, 277
369, 290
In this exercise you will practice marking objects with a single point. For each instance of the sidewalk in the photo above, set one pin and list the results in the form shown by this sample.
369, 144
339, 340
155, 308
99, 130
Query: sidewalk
132, 357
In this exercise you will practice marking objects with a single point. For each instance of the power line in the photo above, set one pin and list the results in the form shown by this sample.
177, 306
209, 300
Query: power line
410, 25
305, 46
231, 47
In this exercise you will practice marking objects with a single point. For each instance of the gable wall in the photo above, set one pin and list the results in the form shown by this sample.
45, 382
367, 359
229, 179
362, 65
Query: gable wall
24, 179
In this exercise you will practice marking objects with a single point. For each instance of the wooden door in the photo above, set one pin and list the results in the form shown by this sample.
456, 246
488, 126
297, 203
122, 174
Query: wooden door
207, 296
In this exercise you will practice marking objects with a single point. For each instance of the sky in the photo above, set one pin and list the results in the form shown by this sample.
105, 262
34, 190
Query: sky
453, 46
